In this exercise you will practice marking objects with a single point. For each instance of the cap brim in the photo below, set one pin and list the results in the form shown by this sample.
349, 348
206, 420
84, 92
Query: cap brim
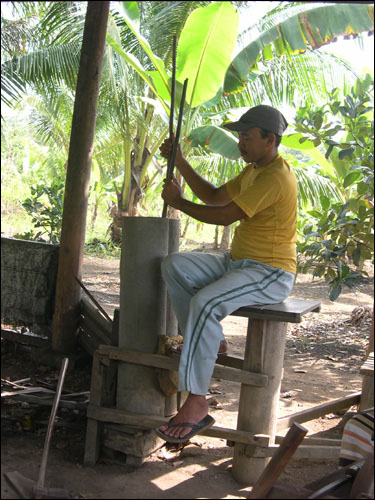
239, 126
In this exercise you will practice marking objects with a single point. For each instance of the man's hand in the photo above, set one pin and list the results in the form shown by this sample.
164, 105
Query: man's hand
166, 149
172, 192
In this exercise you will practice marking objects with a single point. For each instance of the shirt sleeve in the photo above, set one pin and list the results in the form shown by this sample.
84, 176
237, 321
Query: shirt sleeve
234, 185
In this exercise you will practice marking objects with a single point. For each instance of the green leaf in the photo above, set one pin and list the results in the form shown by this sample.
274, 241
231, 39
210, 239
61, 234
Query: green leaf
315, 27
308, 148
130, 14
351, 178
325, 202
136, 65
218, 140
205, 49
345, 152
318, 120
335, 292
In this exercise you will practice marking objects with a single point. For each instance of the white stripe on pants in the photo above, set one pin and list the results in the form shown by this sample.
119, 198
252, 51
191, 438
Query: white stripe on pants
204, 289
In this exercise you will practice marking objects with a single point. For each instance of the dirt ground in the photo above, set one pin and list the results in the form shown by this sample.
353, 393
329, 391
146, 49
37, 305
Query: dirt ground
322, 361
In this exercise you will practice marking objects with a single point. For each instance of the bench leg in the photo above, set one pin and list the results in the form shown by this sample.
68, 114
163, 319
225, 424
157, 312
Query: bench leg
257, 413
100, 393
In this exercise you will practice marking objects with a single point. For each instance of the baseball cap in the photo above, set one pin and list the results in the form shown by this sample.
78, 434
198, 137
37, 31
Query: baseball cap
262, 116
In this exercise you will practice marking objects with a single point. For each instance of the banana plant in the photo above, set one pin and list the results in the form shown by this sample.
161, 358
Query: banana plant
200, 42
302, 28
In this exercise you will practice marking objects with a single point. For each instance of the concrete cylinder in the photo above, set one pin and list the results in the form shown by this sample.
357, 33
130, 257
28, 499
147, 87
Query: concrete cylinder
145, 242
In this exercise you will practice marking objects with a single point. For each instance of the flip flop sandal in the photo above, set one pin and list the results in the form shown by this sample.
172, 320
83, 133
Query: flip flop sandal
205, 423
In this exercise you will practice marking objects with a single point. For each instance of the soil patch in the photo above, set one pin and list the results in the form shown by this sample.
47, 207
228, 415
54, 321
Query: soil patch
322, 361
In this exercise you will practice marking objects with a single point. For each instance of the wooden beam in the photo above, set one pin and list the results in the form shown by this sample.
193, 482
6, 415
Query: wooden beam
114, 415
319, 411
171, 363
68, 291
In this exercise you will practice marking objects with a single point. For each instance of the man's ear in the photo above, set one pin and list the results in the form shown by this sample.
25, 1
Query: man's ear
271, 138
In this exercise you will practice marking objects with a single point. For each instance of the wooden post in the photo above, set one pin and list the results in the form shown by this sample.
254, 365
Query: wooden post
257, 413
66, 315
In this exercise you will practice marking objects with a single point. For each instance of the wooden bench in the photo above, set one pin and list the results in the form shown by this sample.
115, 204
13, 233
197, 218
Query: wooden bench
259, 373
264, 353
367, 372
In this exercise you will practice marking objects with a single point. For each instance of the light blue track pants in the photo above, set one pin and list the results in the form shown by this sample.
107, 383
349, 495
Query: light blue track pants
204, 289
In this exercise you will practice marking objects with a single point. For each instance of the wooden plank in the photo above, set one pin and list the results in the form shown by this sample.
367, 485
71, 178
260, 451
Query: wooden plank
171, 363
318, 411
303, 452
290, 311
312, 441
87, 310
368, 366
28, 338
227, 360
115, 327
232, 361
87, 342
96, 331
141, 421
94, 429
42, 401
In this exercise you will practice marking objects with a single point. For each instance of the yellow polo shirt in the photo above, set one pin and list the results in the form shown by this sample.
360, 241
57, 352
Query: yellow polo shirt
268, 196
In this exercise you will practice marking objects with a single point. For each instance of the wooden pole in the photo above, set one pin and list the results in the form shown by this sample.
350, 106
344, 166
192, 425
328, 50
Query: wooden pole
68, 292
257, 411
278, 462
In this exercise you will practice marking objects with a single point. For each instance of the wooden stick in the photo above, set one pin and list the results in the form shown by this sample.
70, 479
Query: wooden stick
94, 300
178, 131
284, 453
173, 93
176, 141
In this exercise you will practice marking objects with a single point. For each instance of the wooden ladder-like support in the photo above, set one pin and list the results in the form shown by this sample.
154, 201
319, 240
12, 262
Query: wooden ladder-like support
259, 373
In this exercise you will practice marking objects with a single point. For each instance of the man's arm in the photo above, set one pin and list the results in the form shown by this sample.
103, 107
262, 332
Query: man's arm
218, 215
204, 190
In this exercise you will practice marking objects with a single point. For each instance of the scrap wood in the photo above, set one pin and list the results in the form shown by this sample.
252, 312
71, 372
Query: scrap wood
26, 390
39, 400
107, 317
24, 337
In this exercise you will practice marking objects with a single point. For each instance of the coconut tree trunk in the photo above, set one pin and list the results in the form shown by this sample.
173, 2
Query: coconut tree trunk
225, 239
68, 293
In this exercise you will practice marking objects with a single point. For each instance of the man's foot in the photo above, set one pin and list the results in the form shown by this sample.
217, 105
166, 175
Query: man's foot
193, 411
223, 348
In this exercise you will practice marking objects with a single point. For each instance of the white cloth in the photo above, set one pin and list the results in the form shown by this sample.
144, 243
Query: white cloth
204, 289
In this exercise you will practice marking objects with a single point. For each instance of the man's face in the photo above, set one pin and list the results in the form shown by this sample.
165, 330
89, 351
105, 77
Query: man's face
253, 147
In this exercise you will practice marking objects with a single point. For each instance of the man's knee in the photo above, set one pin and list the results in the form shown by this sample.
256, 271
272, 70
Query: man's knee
170, 264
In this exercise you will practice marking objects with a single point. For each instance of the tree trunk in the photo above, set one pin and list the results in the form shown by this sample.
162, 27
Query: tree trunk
68, 292
216, 239
225, 240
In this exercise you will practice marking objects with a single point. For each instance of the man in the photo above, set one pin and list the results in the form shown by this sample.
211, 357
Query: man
259, 269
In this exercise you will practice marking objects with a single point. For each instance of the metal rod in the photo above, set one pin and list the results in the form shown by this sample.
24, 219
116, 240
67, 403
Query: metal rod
51, 423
